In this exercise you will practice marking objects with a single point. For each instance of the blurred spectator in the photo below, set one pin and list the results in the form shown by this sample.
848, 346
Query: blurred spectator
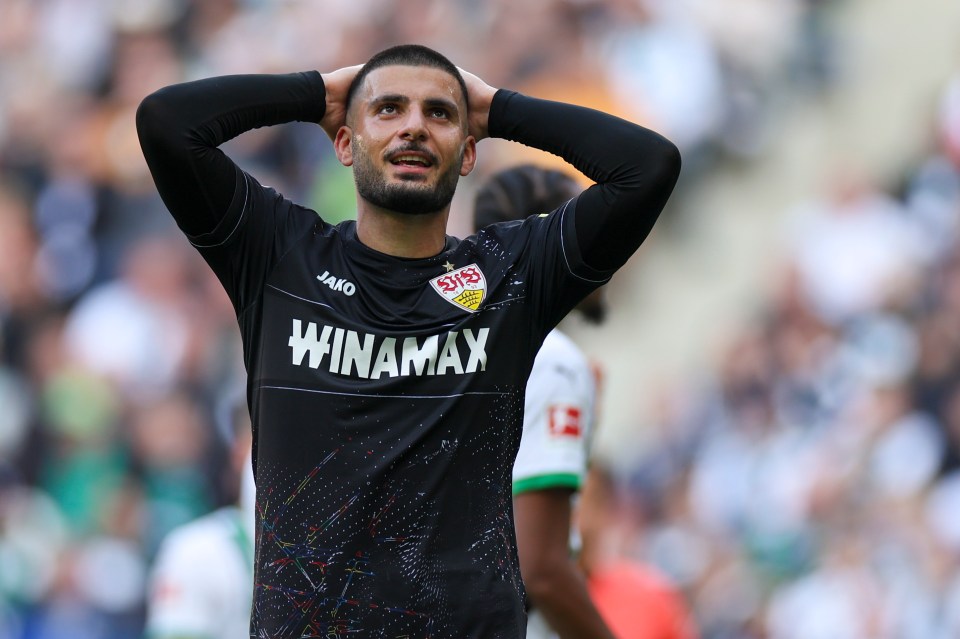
84, 466
189, 600
663, 67
634, 599
171, 440
135, 330
853, 249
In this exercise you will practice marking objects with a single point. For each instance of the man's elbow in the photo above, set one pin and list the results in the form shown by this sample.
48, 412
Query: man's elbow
668, 168
153, 116
652, 172
544, 579
148, 111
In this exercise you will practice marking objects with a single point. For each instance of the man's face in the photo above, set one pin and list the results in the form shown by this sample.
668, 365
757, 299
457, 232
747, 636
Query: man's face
406, 138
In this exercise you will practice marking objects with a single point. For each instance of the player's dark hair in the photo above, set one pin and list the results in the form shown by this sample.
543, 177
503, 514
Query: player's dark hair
521, 191
413, 55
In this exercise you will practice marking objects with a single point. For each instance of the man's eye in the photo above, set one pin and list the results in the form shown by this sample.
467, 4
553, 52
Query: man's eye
388, 109
439, 113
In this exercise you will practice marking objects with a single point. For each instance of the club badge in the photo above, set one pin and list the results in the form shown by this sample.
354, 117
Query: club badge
464, 287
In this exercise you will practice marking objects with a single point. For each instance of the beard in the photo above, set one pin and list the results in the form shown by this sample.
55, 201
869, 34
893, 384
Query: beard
409, 197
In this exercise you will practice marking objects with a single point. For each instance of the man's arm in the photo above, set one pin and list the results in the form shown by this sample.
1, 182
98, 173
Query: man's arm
635, 168
181, 126
550, 465
553, 582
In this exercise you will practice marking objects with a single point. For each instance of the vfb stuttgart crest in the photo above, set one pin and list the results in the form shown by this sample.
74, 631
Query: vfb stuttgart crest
464, 287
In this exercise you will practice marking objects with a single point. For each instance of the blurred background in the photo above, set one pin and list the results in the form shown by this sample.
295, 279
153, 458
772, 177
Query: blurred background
781, 364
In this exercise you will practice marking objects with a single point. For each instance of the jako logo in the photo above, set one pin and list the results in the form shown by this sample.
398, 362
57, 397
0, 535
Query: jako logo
337, 283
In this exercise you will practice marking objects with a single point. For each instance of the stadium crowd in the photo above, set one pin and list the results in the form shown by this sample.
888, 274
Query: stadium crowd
817, 469
809, 487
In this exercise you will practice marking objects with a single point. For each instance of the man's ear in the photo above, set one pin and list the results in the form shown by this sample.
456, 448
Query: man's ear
343, 145
469, 156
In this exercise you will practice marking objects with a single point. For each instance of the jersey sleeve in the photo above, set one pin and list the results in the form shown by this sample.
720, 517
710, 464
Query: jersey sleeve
546, 257
239, 226
251, 238
635, 170
558, 417
181, 126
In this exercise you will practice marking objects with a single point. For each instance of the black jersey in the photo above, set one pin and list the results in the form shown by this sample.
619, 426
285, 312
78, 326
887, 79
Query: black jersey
387, 397
387, 393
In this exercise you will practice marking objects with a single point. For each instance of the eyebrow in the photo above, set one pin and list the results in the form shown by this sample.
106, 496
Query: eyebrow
390, 97
450, 105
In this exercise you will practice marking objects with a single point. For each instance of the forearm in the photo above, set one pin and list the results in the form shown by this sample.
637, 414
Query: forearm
181, 126
560, 594
556, 588
635, 169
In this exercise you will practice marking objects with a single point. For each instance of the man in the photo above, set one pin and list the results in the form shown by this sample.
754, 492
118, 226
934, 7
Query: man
557, 423
387, 361
201, 582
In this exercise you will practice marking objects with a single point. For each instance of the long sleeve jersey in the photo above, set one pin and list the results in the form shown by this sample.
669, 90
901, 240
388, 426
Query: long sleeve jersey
387, 393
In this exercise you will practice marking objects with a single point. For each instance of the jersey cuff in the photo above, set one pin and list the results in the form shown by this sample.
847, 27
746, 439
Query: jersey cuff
544, 482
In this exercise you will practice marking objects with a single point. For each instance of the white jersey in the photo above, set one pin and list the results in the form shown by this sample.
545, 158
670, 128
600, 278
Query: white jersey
557, 419
202, 581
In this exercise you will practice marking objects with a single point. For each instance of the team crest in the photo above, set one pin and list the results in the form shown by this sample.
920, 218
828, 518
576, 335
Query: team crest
464, 287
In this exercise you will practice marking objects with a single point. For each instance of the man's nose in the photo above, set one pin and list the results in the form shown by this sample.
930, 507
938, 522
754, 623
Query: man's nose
414, 126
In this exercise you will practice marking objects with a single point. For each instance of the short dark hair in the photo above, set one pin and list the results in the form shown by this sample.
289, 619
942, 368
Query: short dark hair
521, 191
413, 55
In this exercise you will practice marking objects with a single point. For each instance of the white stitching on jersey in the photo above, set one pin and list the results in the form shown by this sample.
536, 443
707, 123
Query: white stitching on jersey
504, 302
280, 290
324, 392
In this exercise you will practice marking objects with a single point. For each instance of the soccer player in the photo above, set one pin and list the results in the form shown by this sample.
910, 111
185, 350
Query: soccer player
201, 583
558, 416
387, 361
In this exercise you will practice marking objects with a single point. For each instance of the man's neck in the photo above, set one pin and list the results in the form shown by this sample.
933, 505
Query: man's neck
402, 235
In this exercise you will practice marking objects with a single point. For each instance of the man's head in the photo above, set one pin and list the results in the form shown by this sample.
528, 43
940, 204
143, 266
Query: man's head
406, 131
410, 55
521, 191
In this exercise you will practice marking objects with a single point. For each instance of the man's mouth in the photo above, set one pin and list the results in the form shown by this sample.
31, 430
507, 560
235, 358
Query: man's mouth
411, 160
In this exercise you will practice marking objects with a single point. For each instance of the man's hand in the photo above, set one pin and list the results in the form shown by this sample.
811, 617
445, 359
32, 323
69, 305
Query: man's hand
480, 95
337, 83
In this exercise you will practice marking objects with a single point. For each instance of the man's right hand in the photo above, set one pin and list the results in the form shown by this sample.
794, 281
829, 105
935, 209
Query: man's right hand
337, 83
480, 96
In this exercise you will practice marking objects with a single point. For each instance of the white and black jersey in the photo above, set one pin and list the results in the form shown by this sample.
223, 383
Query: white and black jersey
386, 393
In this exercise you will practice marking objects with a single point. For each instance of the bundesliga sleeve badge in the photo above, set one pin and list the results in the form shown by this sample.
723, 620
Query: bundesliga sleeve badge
464, 287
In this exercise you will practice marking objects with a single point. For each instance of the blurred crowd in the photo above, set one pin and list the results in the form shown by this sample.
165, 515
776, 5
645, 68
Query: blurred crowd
807, 490
809, 487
